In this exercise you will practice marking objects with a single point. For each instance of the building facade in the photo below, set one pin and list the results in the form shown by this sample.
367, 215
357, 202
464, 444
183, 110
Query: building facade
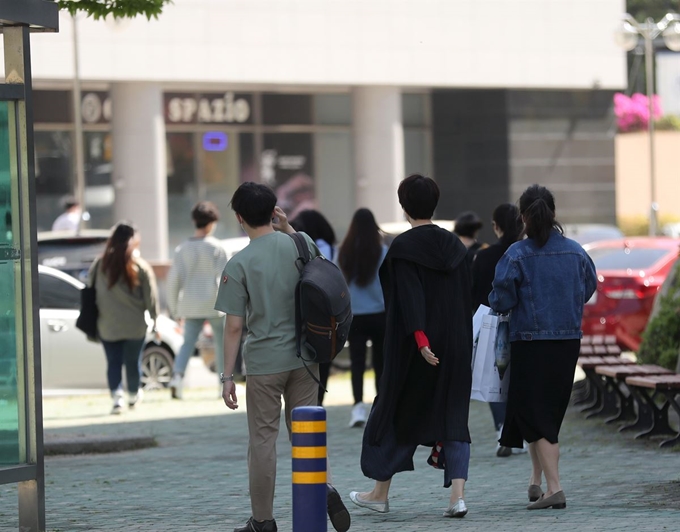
332, 104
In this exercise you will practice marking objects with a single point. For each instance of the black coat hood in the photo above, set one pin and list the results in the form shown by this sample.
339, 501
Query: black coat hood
430, 246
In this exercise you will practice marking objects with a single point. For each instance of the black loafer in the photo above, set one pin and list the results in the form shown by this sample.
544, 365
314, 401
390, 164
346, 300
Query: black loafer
337, 512
258, 526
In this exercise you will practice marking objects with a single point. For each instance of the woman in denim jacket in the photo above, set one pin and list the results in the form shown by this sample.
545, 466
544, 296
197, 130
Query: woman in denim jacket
544, 281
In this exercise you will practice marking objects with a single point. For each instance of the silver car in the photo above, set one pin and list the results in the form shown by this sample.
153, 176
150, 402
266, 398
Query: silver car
70, 360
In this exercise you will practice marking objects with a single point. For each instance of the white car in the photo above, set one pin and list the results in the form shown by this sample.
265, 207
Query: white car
70, 360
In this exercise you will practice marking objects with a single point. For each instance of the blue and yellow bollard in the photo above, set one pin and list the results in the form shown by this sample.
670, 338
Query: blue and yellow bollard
309, 469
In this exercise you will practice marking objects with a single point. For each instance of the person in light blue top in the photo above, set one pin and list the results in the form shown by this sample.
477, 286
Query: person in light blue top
360, 257
320, 230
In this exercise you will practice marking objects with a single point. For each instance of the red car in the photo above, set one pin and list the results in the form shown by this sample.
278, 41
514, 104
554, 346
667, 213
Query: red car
630, 272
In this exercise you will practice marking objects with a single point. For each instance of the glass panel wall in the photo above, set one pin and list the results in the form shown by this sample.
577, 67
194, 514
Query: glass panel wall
99, 191
53, 173
415, 109
10, 437
335, 178
206, 165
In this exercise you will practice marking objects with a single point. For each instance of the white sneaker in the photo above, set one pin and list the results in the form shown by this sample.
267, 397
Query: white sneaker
136, 398
457, 510
117, 402
176, 386
358, 418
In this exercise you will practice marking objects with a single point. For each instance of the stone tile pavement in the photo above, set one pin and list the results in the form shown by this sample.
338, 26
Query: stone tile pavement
196, 479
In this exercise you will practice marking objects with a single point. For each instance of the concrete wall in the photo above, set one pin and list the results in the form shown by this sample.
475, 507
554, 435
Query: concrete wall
439, 43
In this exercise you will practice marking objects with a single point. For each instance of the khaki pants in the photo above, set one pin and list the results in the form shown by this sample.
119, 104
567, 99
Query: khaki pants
263, 401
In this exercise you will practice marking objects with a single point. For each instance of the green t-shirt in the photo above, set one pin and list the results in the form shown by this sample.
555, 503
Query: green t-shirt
259, 284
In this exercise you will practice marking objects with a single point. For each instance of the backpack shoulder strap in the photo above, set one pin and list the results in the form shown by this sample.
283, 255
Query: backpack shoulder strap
304, 255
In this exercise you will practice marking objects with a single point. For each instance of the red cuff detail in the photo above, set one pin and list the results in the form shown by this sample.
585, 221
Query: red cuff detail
421, 339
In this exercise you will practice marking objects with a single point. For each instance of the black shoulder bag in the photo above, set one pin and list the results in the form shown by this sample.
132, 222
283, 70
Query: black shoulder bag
87, 320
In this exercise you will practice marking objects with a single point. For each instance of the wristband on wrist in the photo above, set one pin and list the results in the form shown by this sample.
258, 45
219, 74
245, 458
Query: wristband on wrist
226, 378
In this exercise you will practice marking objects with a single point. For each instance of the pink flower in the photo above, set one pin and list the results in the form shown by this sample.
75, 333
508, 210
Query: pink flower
633, 112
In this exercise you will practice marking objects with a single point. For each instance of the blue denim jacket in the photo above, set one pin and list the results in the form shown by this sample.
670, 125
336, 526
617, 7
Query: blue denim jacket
545, 288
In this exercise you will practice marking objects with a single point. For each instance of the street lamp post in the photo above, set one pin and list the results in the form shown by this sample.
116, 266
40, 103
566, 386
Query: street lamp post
627, 37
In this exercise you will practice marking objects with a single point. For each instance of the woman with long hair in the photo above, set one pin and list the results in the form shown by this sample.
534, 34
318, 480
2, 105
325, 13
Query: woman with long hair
507, 225
360, 257
320, 230
543, 281
126, 288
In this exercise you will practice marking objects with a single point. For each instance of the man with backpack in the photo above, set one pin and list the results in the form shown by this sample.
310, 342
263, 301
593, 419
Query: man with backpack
259, 286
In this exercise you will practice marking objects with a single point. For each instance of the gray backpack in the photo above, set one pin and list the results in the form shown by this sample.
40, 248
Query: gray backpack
323, 309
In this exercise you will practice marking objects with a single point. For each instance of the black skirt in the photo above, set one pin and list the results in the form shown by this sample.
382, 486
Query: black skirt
541, 378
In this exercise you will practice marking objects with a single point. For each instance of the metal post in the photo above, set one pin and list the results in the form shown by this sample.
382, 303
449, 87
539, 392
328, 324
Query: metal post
78, 123
31, 490
309, 469
649, 66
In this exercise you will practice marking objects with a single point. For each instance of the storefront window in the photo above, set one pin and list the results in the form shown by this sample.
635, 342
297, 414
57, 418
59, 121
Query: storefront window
53, 173
287, 165
414, 109
9, 257
417, 149
208, 165
333, 109
99, 192
417, 152
335, 178
286, 109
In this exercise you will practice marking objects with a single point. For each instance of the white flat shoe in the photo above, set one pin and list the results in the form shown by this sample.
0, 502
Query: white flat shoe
376, 506
457, 510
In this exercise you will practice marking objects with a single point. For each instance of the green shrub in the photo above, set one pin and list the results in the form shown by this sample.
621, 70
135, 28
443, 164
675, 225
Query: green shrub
661, 339
668, 123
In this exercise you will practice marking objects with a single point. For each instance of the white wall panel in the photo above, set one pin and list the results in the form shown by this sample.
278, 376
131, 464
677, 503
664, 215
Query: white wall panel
447, 43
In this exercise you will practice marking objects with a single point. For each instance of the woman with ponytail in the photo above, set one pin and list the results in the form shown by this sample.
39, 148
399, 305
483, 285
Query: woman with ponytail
126, 288
543, 281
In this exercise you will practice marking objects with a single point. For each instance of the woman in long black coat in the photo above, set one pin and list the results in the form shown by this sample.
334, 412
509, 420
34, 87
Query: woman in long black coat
425, 388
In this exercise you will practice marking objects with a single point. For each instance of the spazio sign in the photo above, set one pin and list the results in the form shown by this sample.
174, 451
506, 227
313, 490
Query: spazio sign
208, 108
54, 107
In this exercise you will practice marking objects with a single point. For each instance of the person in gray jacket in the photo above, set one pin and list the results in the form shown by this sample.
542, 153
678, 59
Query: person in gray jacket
192, 286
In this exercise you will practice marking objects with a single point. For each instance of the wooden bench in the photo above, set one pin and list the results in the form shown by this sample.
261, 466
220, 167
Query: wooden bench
618, 401
593, 396
651, 417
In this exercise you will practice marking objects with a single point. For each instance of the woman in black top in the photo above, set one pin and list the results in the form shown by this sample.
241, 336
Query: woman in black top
467, 226
507, 225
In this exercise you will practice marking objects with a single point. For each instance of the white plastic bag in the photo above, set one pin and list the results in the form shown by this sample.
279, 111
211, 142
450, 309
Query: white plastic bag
487, 385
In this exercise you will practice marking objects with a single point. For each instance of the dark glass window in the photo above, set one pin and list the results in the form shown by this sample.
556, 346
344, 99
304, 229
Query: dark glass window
56, 293
53, 174
281, 109
54, 107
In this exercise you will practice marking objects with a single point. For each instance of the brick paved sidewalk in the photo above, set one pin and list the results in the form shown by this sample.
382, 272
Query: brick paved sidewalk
196, 480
